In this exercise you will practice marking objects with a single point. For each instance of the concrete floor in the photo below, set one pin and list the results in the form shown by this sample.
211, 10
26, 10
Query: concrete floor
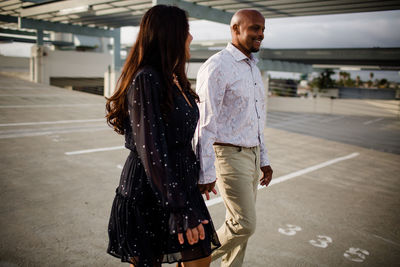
330, 203
378, 133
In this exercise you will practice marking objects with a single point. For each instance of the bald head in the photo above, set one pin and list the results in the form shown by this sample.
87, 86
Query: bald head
247, 30
244, 15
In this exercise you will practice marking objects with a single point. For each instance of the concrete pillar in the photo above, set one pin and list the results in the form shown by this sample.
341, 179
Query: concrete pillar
114, 71
37, 64
38, 70
110, 81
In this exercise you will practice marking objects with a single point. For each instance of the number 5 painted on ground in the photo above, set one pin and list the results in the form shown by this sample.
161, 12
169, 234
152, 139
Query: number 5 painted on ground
356, 254
290, 230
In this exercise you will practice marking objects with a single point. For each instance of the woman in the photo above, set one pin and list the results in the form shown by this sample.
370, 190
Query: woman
158, 214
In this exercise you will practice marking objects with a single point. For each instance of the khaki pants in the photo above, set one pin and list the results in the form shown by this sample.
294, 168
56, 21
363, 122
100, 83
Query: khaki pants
238, 173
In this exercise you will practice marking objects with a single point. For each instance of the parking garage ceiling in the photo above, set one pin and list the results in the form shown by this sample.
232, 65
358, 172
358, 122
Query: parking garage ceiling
108, 14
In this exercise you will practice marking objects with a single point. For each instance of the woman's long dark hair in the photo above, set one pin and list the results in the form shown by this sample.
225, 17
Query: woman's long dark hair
160, 44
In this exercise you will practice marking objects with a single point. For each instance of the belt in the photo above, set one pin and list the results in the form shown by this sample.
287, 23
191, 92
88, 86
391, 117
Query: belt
225, 144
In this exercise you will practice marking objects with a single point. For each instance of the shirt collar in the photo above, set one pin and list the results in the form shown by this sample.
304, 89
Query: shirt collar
238, 55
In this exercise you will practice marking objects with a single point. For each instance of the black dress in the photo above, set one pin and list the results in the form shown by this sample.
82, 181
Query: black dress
157, 196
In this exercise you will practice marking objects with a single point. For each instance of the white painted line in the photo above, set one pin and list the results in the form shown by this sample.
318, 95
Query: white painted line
48, 122
387, 240
310, 169
50, 131
372, 121
93, 150
292, 175
50, 106
37, 95
332, 119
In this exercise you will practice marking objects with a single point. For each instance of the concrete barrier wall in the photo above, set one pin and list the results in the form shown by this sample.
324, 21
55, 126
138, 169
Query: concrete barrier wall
363, 93
14, 63
46, 63
76, 64
361, 107
15, 67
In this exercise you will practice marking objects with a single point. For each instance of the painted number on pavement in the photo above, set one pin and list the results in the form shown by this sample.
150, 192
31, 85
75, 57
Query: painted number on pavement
356, 254
322, 241
290, 229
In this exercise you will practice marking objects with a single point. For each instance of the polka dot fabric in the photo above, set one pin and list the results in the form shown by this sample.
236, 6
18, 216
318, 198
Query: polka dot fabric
157, 196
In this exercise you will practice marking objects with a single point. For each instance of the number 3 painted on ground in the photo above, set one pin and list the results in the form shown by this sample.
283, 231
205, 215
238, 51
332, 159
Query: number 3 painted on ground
356, 254
322, 242
291, 229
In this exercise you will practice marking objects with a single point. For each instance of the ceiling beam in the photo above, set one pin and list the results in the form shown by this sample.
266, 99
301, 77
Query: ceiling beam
9, 19
10, 39
19, 32
57, 6
334, 11
62, 27
38, 1
198, 11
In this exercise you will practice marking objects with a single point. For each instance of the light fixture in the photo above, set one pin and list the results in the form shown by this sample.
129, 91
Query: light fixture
75, 10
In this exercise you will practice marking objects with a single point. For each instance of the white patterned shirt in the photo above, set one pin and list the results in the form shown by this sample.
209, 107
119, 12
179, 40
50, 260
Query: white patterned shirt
232, 107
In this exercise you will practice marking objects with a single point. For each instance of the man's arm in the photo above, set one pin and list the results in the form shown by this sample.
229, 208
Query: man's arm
265, 165
210, 87
264, 161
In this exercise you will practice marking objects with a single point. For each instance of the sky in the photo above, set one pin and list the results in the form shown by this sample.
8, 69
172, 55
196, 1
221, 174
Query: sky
362, 30
372, 29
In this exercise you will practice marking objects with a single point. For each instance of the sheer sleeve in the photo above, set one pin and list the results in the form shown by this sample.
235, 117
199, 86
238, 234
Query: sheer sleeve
150, 140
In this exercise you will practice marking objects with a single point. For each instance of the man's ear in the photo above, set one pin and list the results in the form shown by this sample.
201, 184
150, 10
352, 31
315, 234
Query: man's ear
235, 28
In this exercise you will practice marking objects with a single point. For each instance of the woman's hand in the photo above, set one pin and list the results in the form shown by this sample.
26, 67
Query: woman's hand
193, 234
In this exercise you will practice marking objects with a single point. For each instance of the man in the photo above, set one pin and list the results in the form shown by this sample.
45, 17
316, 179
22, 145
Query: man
232, 116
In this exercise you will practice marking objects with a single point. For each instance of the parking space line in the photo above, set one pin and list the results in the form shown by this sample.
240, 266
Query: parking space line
38, 96
93, 150
387, 240
292, 175
48, 122
372, 121
49, 131
332, 119
50, 105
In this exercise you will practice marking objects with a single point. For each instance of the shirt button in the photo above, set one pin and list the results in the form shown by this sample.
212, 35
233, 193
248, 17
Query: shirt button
255, 83
256, 100
258, 116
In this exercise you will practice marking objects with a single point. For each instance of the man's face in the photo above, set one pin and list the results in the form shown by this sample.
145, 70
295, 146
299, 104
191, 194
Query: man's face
251, 33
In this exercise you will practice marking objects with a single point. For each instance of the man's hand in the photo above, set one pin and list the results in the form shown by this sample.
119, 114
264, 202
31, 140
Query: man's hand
267, 175
206, 188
